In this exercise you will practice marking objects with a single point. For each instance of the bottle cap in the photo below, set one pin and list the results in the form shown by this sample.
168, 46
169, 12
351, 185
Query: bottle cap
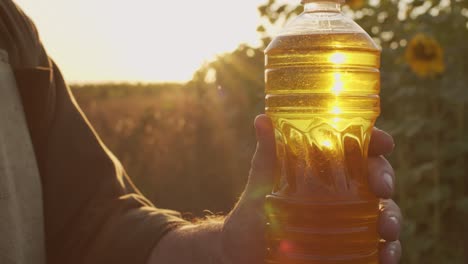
310, 1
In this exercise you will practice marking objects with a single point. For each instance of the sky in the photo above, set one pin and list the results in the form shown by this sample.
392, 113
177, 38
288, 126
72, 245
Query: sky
140, 40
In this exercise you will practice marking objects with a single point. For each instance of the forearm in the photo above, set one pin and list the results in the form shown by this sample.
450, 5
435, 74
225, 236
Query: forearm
195, 244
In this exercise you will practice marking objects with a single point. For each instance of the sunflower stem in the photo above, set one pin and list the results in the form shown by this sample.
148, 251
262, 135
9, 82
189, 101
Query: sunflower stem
436, 171
461, 158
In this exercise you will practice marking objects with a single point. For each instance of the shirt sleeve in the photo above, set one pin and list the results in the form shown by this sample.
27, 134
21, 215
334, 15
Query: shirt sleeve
93, 213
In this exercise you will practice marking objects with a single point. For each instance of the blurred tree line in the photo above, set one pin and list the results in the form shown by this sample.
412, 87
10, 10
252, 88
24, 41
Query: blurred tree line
189, 146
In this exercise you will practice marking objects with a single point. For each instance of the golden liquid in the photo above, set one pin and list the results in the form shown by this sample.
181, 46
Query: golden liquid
322, 96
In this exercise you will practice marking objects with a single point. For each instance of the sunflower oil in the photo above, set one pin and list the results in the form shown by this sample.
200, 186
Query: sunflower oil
322, 85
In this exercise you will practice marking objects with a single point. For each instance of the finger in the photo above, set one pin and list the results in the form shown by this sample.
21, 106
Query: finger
381, 143
390, 221
264, 161
381, 177
390, 252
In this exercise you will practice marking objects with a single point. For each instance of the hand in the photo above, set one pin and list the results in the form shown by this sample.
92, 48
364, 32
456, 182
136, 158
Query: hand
242, 235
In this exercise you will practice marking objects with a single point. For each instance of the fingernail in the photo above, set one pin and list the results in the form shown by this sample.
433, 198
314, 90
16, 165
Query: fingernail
262, 127
394, 220
392, 253
258, 128
388, 181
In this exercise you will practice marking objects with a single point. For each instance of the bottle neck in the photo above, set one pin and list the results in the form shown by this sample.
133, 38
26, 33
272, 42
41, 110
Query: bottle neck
322, 6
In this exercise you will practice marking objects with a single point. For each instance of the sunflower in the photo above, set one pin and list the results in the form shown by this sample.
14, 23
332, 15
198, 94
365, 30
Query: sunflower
425, 56
355, 4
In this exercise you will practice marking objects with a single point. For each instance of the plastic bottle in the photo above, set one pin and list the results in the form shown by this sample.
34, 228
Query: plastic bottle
322, 85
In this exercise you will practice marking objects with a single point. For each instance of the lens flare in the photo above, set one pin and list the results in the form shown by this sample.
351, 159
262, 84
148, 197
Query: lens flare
338, 84
286, 246
336, 110
338, 58
327, 143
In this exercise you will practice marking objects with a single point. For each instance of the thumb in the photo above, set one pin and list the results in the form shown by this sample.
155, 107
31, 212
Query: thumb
263, 166
243, 227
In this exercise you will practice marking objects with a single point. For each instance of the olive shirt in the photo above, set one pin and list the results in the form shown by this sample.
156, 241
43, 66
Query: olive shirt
92, 211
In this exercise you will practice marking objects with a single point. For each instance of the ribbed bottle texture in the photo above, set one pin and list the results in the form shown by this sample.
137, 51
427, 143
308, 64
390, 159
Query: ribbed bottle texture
322, 94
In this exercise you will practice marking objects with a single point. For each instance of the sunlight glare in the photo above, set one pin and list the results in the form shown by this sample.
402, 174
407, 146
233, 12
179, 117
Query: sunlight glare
286, 246
336, 110
338, 58
338, 84
210, 76
147, 41
327, 143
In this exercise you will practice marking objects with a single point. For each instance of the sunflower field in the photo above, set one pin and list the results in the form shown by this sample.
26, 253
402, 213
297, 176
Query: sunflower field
188, 146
